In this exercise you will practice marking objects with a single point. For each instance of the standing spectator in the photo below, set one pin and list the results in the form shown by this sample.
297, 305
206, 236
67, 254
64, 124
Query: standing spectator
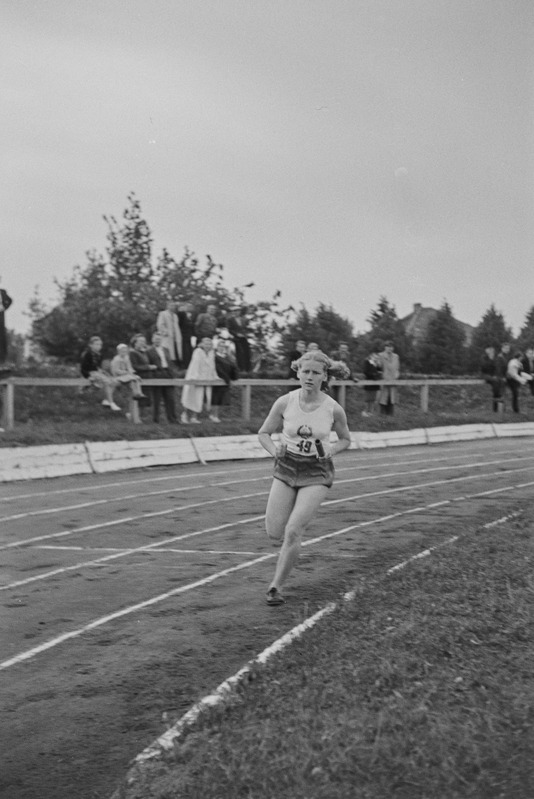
227, 371
160, 357
91, 368
168, 327
515, 378
206, 323
371, 371
202, 367
528, 366
294, 354
312, 347
343, 354
237, 324
390, 365
488, 370
501, 368
5, 302
122, 370
187, 329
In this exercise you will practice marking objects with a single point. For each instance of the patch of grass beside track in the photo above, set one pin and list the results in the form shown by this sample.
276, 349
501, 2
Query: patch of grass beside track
421, 687
63, 415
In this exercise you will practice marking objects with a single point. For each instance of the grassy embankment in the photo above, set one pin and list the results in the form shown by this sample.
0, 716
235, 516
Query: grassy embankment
421, 687
62, 415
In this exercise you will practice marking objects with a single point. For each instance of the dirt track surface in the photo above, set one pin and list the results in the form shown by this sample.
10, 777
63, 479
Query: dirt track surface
125, 598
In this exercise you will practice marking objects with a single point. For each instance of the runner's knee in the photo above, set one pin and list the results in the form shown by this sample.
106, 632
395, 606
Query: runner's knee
275, 530
293, 533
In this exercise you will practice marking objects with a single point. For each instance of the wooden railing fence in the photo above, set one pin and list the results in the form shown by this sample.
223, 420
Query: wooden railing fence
9, 385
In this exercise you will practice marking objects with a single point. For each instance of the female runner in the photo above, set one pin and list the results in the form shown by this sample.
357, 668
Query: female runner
303, 470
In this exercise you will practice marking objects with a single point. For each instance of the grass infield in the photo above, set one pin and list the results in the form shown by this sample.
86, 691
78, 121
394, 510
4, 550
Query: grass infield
422, 686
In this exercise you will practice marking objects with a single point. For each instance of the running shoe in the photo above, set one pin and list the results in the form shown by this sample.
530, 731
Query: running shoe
274, 597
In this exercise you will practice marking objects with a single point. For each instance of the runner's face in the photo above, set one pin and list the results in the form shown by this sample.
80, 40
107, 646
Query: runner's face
312, 375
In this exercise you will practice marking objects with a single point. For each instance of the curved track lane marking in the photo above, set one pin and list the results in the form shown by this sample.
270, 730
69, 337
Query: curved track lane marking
125, 553
122, 498
127, 519
31, 653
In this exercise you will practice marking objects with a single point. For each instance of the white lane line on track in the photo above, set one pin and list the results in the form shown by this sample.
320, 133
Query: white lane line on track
30, 653
127, 519
119, 483
123, 553
225, 689
400, 489
404, 458
124, 498
426, 552
383, 492
166, 741
153, 551
396, 515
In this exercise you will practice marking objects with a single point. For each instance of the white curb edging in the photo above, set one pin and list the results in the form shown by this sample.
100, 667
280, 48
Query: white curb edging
28, 463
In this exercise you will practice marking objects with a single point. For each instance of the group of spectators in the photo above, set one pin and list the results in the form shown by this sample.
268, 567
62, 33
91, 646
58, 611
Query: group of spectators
184, 345
181, 345
500, 369
180, 327
383, 365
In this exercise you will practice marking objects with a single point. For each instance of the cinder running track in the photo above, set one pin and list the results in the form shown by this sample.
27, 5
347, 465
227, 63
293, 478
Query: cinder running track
126, 598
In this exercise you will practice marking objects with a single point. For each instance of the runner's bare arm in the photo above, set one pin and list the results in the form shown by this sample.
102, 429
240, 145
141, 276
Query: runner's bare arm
271, 425
342, 429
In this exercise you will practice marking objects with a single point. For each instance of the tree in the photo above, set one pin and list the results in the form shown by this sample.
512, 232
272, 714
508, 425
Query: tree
385, 326
526, 334
325, 327
120, 293
491, 331
443, 350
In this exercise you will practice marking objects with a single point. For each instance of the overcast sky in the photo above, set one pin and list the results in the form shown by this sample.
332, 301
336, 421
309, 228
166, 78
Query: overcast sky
337, 150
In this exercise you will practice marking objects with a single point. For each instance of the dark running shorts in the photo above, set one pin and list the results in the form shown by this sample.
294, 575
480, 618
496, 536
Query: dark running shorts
297, 471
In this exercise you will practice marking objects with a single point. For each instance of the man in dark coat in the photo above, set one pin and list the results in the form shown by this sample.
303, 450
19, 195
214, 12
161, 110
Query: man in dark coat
371, 371
160, 357
501, 367
5, 302
227, 371
488, 369
187, 327
237, 324
206, 323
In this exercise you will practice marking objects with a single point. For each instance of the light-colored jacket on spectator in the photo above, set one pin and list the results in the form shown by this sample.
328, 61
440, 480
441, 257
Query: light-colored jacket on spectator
169, 328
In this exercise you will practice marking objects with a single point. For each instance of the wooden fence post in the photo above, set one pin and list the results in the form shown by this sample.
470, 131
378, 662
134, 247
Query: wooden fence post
135, 415
246, 396
8, 406
424, 397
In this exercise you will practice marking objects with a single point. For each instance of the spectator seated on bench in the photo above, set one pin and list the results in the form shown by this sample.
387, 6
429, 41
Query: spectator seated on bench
122, 370
91, 369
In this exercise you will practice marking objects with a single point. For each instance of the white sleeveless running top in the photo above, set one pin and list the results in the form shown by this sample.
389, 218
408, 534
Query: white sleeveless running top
301, 428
